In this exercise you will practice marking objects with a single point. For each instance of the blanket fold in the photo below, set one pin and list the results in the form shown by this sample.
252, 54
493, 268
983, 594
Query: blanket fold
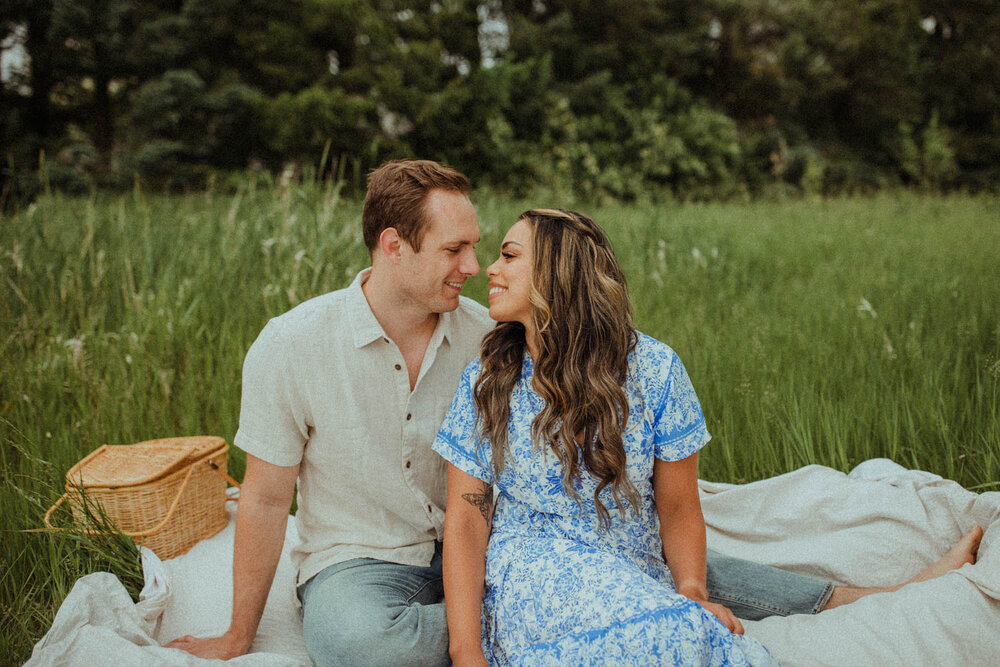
877, 526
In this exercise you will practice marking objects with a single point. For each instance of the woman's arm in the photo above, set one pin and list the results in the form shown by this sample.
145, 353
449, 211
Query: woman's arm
682, 530
468, 517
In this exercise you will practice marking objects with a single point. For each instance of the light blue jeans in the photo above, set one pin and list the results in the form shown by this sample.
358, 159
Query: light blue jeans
753, 591
370, 612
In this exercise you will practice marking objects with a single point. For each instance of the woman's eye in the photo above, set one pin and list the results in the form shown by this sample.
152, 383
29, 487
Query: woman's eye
507, 255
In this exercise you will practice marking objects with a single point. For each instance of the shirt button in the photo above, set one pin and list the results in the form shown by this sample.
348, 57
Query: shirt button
409, 416
407, 464
398, 367
429, 508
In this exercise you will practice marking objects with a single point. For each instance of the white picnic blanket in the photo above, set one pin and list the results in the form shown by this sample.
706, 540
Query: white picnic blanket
879, 525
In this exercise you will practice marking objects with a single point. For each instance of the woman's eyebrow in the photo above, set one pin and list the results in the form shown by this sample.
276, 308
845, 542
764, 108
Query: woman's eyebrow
507, 243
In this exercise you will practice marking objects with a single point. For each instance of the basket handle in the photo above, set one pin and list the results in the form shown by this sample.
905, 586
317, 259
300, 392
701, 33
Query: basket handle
219, 470
177, 499
170, 512
52, 509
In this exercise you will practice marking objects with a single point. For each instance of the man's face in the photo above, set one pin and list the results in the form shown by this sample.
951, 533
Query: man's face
434, 276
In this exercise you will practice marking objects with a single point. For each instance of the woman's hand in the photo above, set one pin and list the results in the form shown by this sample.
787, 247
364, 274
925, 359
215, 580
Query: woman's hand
727, 617
682, 530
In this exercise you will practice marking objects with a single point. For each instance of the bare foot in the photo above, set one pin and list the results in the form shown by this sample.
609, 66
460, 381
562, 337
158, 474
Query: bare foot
963, 552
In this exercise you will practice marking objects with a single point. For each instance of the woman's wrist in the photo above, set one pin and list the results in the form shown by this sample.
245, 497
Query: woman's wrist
468, 655
459, 646
696, 592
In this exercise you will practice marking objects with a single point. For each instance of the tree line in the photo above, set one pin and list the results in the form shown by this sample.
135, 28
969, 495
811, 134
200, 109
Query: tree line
600, 98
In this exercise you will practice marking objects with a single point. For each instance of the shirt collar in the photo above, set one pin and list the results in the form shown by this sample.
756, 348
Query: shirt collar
444, 325
367, 329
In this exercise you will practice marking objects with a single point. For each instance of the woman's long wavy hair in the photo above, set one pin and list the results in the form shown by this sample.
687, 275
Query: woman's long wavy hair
583, 318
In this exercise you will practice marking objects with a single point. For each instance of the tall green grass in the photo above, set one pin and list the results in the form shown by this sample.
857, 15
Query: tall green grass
821, 332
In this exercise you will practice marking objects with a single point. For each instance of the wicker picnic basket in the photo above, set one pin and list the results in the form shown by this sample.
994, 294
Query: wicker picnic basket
166, 494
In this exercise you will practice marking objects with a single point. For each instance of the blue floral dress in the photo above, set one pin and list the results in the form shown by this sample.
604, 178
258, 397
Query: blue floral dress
562, 590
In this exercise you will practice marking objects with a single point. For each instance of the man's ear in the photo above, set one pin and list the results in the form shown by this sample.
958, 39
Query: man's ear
389, 244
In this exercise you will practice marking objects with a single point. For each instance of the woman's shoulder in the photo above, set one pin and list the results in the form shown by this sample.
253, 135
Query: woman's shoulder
473, 369
651, 353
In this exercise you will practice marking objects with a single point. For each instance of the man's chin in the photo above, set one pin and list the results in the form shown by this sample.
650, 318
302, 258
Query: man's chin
447, 305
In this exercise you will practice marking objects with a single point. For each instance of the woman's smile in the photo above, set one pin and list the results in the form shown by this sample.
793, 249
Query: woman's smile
496, 290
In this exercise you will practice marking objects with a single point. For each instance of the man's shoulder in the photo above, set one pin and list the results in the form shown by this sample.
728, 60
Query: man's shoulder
320, 314
316, 310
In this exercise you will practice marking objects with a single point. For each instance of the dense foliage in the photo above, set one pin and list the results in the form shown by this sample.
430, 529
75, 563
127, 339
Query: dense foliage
610, 98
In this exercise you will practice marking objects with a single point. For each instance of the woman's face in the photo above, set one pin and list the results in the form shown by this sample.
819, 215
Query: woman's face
510, 277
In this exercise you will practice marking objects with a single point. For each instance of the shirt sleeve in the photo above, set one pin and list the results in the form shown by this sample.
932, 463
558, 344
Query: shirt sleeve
679, 428
273, 415
458, 441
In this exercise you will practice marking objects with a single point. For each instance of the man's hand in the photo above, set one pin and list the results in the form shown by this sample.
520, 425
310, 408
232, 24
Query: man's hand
220, 648
727, 617
266, 495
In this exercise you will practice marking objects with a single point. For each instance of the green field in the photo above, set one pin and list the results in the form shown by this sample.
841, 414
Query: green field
815, 331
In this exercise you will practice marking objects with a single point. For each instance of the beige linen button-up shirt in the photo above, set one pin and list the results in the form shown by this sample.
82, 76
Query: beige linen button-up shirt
323, 385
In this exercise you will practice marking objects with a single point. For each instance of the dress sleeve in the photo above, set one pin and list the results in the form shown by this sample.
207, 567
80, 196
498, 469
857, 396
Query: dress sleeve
458, 441
678, 426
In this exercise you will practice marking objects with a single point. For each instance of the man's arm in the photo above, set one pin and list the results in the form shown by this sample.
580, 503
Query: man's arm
265, 499
467, 520
682, 530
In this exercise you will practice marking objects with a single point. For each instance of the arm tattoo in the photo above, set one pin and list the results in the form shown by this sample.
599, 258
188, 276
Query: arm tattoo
482, 501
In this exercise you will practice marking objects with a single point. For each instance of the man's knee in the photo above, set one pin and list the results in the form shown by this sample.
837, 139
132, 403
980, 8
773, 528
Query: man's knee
337, 635
345, 629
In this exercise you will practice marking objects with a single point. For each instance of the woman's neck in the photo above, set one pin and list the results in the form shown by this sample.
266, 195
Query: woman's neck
531, 341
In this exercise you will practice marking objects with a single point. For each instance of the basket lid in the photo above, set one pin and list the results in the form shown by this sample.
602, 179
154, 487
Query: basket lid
198, 445
128, 465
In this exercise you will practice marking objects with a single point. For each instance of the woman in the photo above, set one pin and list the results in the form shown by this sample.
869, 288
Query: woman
590, 431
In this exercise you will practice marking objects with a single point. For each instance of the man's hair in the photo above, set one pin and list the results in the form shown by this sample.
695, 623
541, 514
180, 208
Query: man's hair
396, 194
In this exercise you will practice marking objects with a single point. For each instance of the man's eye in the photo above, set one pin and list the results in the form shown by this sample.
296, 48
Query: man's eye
453, 251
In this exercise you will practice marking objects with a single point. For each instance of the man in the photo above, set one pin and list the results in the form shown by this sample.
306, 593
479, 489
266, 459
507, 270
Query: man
344, 394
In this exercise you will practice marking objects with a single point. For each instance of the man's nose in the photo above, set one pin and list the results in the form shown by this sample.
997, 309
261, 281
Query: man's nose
470, 265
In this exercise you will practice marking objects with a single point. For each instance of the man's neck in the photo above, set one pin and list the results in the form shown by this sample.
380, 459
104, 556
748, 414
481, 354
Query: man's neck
402, 320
